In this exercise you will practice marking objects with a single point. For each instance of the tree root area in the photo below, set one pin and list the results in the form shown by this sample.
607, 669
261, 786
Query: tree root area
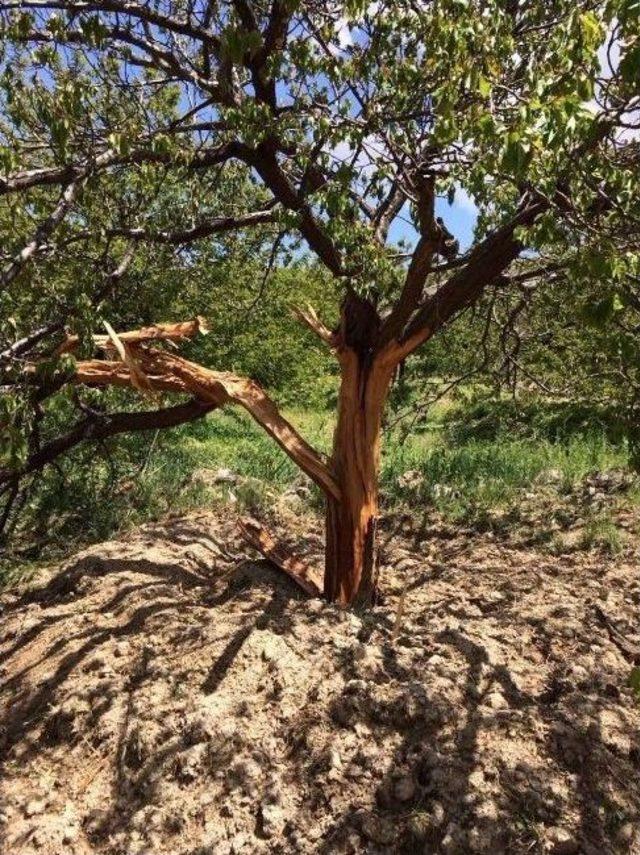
165, 694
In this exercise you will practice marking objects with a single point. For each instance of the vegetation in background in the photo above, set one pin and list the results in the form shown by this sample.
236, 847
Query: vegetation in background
475, 460
164, 163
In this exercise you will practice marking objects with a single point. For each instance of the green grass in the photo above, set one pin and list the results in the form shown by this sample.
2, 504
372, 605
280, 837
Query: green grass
232, 440
490, 472
464, 475
601, 532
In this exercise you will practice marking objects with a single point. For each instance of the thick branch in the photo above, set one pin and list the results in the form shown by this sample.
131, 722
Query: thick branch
280, 555
95, 428
164, 371
487, 261
140, 11
179, 332
56, 175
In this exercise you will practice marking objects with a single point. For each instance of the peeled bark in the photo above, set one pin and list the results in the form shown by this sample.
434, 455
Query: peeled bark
351, 521
349, 479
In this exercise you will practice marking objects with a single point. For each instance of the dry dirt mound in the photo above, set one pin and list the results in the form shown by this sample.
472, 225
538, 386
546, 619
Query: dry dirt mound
164, 695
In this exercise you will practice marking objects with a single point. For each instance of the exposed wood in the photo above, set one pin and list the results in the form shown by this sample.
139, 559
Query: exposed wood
176, 332
280, 555
169, 372
351, 523
309, 318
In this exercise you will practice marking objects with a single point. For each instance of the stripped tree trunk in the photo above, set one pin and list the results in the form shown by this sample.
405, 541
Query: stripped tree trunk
351, 521
349, 479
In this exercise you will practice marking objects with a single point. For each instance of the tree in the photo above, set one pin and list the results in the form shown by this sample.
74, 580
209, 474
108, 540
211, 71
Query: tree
337, 122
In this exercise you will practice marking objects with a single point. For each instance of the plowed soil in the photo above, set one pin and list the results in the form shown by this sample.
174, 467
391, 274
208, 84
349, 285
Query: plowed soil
166, 694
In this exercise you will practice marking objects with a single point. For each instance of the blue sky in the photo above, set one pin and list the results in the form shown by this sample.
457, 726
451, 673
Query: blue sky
460, 218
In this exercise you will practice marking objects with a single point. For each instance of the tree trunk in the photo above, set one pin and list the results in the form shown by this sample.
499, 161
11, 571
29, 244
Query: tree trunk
351, 521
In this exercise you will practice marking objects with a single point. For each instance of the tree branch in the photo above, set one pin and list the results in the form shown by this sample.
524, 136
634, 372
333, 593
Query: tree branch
310, 319
216, 226
487, 261
163, 371
98, 428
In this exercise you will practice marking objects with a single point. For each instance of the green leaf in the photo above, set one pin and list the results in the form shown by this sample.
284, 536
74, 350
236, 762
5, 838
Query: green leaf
634, 680
484, 86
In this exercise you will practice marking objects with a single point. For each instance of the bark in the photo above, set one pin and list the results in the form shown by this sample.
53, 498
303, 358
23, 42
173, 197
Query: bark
280, 555
98, 427
351, 522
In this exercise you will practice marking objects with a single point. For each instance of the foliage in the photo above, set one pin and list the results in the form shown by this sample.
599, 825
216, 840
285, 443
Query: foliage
162, 160
95, 492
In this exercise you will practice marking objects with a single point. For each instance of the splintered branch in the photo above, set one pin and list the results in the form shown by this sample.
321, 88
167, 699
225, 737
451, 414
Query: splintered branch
168, 372
179, 332
280, 555
310, 319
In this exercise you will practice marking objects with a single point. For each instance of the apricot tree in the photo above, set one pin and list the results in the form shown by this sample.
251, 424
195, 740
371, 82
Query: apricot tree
340, 125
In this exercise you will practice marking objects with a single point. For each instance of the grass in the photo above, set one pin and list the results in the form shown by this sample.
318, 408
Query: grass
465, 474
601, 532
492, 472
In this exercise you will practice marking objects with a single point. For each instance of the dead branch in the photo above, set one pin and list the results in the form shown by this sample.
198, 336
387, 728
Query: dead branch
310, 319
178, 333
167, 372
280, 555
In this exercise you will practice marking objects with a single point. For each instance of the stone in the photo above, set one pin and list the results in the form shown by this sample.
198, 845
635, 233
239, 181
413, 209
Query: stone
497, 701
272, 819
436, 813
562, 842
213, 477
404, 788
34, 807
69, 834
333, 758
411, 480
549, 476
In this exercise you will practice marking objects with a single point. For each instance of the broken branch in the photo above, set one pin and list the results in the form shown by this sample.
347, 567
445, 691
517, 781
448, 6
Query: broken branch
280, 555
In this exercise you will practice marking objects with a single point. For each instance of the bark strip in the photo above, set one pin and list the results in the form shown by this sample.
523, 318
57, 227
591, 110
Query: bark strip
280, 555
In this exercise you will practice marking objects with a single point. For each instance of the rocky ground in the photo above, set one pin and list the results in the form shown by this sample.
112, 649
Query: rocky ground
163, 694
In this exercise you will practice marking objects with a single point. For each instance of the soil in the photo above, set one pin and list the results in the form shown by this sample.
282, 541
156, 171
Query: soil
164, 693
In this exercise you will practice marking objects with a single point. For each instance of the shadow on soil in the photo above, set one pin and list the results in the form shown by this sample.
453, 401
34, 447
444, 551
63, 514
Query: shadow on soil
438, 735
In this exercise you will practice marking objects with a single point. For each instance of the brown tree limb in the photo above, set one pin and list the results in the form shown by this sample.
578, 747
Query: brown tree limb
217, 225
100, 427
631, 651
57, 175
280, 555
42, 232
168, 372
486, 262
